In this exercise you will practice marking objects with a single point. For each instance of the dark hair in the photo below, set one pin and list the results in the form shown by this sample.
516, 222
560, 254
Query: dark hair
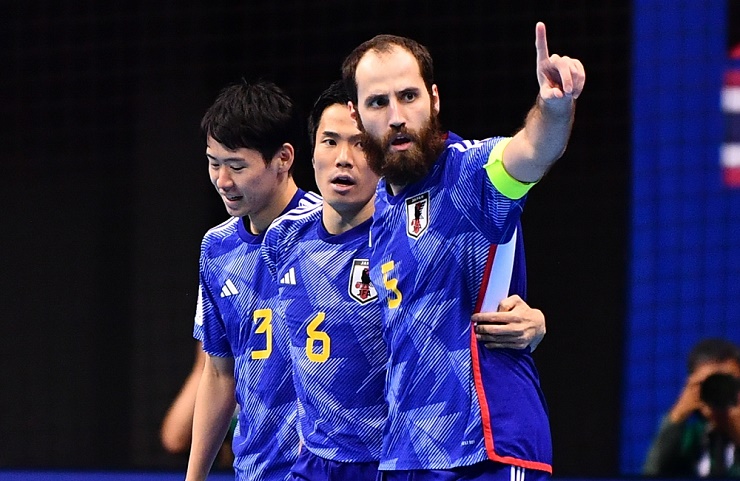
334, 94
258, 116
713, 350
384, 44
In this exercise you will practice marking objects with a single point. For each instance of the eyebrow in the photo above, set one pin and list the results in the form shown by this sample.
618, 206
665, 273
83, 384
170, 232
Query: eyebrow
409, 90
335, 135
227, 159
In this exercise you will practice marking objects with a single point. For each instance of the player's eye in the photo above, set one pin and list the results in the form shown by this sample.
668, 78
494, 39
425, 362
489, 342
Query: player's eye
377, 102
408, 96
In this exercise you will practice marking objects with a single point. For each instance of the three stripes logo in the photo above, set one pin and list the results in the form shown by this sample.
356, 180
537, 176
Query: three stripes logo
229, 289
517, 473
289, 277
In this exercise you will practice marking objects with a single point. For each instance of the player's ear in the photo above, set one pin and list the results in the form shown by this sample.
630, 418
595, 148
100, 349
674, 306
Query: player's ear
355, 115
285, 157
435, 98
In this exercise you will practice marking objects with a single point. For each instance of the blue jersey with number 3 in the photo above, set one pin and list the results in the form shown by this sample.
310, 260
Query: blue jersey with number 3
237, 318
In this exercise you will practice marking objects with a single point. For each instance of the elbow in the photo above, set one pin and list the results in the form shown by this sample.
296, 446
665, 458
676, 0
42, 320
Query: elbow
174, 443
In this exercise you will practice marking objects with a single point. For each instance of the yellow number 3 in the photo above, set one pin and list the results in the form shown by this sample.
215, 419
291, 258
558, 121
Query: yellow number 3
264, 327
391, 284
317, 336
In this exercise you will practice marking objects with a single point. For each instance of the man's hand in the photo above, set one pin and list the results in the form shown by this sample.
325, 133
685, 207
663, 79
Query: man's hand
689, 399
561, 79
514, 326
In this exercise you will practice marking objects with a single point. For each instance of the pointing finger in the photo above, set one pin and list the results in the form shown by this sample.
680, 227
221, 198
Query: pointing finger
540, 42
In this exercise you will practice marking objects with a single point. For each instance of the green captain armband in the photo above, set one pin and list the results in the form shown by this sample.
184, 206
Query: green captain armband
502, 180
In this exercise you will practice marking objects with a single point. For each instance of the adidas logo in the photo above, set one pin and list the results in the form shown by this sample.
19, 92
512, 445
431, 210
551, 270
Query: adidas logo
229, 289
289, 277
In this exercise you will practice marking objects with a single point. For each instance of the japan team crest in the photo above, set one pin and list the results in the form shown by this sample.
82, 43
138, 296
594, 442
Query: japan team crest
360, 287
417, 215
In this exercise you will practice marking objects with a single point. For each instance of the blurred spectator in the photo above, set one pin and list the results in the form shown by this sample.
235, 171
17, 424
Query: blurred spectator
700, 435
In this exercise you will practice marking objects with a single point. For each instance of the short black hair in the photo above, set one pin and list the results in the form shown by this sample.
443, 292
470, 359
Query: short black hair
258, 116
334, 94
712, 350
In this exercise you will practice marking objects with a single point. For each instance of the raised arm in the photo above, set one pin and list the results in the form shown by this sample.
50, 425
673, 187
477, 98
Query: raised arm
547, 127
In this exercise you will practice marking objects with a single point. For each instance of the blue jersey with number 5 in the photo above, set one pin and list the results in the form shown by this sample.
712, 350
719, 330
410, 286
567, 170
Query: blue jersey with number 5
443, 248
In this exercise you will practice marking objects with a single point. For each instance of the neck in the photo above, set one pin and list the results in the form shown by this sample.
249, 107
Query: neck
336, 222
260, 221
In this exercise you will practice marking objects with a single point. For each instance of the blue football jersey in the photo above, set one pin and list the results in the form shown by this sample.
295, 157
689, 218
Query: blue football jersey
442, 249
339, 357
237, 318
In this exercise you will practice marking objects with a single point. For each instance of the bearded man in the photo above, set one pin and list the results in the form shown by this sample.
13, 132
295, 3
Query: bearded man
447, 246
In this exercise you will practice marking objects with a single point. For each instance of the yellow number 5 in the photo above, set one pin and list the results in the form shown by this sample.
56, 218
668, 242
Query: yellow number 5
264, 327
317, 336
391, 285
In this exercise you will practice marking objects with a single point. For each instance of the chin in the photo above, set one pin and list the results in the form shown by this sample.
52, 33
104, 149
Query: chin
236, 212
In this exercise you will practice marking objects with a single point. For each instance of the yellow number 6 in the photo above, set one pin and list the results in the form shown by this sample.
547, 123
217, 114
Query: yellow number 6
317, 336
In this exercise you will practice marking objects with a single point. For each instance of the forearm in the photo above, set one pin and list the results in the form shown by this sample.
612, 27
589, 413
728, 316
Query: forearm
542, 141
177, 426
214, 408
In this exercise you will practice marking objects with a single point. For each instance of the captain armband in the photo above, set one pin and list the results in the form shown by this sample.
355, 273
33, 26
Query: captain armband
502, 180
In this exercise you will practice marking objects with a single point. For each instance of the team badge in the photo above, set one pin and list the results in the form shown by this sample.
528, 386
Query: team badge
417, 215
360, 287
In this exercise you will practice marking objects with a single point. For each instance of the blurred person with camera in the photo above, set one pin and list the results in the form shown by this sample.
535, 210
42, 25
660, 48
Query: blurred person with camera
700, 435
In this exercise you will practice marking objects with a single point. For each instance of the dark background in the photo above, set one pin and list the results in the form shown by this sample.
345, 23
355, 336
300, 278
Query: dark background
105, 197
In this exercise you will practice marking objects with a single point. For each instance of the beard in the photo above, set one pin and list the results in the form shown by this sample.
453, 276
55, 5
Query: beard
408, 166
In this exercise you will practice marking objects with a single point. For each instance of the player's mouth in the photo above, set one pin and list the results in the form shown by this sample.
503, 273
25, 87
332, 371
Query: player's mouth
232, 198
342, 182
400, 142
